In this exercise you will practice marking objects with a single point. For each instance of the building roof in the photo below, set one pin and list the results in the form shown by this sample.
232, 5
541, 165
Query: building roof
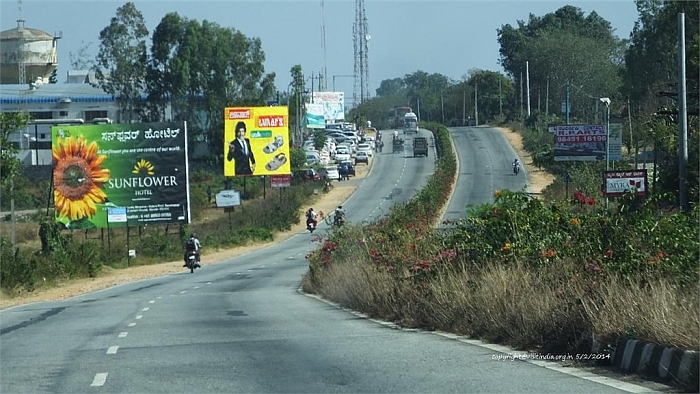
53, 93
26, 33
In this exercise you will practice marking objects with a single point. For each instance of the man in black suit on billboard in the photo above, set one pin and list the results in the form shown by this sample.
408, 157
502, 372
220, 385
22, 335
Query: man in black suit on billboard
239, 150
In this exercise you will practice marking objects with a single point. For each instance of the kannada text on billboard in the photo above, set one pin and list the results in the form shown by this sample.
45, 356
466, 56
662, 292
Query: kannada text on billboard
256, 141
139, 167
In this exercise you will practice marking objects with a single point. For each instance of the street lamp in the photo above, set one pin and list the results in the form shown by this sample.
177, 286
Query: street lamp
606, 101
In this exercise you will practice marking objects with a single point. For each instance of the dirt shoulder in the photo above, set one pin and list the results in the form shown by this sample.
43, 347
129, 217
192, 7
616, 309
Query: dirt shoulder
341, 191
537, 179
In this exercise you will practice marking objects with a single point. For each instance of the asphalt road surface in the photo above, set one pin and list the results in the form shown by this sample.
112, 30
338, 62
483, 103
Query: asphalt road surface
243, 326
485, 164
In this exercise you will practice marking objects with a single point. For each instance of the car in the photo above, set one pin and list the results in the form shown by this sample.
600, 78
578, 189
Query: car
330, 172
361, 157
351, 167
312, 158
370, 130
365, 148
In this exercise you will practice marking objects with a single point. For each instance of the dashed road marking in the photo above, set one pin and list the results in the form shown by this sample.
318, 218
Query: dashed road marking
131, 324
112, 350
152, 301
138, 317
123, 334
144, 309
196, 287
99, 380
183, 292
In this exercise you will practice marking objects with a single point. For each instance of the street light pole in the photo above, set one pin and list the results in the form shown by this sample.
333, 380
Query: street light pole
606, 101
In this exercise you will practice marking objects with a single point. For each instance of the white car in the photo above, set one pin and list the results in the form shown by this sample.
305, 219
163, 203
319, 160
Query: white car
330, 172
365, 148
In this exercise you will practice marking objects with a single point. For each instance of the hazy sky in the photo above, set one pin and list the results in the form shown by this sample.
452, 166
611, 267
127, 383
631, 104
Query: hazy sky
447, 37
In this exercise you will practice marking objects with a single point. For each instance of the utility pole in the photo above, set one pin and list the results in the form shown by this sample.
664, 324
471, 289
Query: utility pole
476, 109
500, 96
682, 118
521, 96
464, 104
568, 103
442, 104
546, 101
527, 79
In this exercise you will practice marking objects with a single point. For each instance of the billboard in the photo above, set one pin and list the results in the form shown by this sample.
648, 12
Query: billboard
586, 142
102, 173
314, 116
333, 104
617, 183
256, 141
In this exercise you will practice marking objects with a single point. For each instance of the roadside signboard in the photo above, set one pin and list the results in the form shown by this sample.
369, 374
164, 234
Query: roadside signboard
617, 183
280, 181
228, 198
586, 142
141, 167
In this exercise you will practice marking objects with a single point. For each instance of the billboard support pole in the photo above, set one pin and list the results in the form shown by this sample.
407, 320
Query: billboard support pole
109, 239
264, 186
128, 255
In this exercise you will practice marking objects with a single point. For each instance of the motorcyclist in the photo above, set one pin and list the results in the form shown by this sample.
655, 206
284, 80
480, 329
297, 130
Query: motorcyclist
193, 245
516, 165
339, 216
311, 216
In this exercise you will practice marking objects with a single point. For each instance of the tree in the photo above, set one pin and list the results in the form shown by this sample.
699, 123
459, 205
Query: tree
651, 62
493, 91
391, 87
564, 47
122, 57
10, 166
201, 68
81, 60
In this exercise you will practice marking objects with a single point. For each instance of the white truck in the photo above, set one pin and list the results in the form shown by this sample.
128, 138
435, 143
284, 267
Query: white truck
410, 123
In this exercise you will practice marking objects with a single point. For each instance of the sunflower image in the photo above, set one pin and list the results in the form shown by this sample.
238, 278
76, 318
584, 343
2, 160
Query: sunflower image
143, 165
78, 178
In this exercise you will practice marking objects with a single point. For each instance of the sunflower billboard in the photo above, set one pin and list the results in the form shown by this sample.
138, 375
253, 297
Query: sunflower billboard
256, 141
139, 167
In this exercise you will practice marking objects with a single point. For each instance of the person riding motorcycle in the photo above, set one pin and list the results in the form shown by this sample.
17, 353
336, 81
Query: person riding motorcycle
193, 245
311, 217
339, 216
516, 166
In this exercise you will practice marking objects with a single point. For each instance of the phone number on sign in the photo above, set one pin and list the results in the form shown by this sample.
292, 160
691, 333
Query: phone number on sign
550, 357
581, 138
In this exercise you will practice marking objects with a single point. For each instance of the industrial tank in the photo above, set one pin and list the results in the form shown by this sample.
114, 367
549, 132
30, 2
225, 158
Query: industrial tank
38, 50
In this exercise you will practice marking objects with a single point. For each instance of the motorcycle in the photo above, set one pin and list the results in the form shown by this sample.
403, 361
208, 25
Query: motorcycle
339, 221
311, 225
191, 261
327, 187
516, 169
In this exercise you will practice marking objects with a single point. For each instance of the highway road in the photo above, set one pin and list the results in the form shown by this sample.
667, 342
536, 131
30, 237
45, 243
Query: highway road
243, 326
485, 164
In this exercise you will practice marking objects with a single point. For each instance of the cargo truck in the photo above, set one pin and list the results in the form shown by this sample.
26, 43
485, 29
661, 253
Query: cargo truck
420, 146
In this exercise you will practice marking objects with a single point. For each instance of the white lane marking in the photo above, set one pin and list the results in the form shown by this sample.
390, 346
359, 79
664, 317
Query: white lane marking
99, 380
112, 350
145, 309
208, 283
159, 297
196, 287
123, 334
132, 324
138, 317
152, 301
183, 292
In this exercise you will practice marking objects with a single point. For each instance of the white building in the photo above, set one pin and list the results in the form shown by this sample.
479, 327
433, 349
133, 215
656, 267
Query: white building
52, 104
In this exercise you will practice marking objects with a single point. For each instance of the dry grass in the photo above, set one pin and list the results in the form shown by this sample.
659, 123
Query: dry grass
550, 310
654, 310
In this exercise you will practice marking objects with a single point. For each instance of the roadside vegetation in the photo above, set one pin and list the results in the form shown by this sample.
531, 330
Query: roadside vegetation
552, 276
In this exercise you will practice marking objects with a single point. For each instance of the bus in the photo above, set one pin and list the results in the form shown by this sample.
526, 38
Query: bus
396, 116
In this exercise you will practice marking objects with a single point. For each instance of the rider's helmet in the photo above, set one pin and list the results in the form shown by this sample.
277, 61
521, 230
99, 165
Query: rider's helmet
193, 235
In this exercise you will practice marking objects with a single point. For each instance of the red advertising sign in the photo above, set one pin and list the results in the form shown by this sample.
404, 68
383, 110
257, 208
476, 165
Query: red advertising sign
617, 183
280, 180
